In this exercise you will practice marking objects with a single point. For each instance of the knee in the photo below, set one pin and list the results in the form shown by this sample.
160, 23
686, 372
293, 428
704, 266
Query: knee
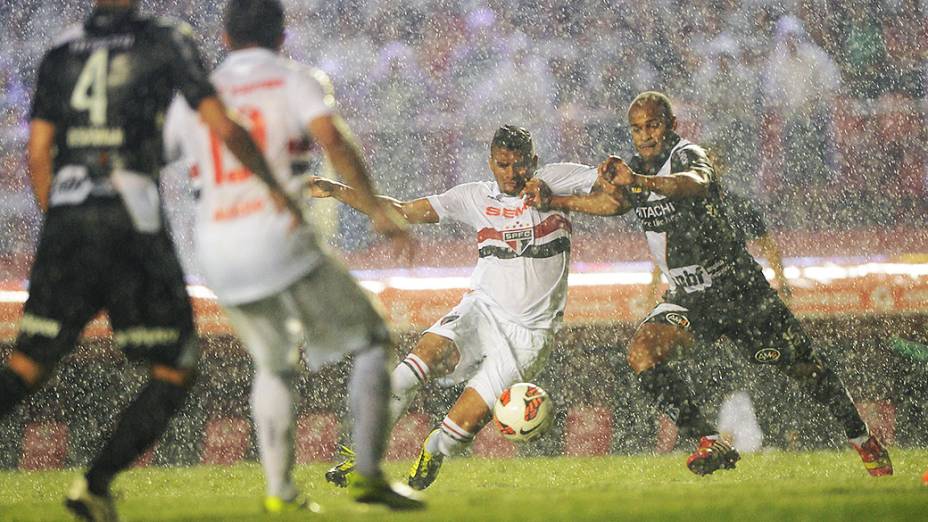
439, 354
805, 371
655, 343
641, 358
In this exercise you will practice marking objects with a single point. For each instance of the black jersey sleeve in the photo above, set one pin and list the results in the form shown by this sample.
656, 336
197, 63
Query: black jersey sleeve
46, 103
190, 73
692, 158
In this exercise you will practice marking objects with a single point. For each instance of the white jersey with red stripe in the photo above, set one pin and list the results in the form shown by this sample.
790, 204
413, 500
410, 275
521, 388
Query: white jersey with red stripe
524, 254
248, 249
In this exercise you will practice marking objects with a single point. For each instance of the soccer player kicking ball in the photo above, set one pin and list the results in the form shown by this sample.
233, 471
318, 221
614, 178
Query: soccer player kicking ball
716, 287
503, 329
269, 274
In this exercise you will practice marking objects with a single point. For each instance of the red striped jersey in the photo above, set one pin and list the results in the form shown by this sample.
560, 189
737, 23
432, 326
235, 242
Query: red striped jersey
524, 254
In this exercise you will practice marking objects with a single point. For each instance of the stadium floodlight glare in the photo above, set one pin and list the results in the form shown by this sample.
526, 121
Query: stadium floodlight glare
822, 273
608, 278
13, 296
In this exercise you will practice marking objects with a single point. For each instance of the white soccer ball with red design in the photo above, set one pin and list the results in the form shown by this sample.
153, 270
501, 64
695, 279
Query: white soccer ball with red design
523, 412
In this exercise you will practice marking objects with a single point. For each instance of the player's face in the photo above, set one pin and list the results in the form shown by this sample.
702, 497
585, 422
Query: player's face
650, 129
512, 169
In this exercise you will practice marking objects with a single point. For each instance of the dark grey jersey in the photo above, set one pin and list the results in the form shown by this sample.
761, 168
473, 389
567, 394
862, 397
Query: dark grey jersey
106, 85
692, 240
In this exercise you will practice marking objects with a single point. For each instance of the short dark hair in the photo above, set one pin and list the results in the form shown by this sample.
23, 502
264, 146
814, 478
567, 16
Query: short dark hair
255, 22
512, 137
658, 98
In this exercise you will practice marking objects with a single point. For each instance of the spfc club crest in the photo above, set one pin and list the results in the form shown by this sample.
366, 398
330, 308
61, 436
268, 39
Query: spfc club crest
520, 239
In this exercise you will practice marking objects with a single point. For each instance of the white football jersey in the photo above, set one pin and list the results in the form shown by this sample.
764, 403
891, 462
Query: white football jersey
247, 249
524, 254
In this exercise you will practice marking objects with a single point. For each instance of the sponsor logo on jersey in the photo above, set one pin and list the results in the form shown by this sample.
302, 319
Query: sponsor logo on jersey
677, 319
506, 212
659, 209
656, 214
692, 278
519, 240
767, 355
79, 137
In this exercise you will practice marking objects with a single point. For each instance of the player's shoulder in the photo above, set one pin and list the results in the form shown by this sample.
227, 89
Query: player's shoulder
167, 24
71, 34
165, 29
307, 74
479, 188
561, 169
687, 155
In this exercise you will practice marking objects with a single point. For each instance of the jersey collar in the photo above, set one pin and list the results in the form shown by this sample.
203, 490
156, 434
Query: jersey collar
250, 54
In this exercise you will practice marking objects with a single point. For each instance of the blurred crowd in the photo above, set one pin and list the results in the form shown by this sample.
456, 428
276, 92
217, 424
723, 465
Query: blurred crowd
816, 107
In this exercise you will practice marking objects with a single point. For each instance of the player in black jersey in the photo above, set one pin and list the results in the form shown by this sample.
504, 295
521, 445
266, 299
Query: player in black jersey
717, 288
94, 156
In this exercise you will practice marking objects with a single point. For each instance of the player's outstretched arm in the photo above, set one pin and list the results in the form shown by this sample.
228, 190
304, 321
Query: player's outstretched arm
680, 185
415, 212
337, 140
213, 113
598, 202
41, 139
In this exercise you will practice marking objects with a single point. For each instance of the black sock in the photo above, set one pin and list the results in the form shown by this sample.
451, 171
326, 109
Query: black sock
141, 425
674, 398
13, 390
827, 389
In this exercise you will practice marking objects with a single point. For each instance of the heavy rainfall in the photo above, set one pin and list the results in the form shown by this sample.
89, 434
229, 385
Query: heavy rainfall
813, 112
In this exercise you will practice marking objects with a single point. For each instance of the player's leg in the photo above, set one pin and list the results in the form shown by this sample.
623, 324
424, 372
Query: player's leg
514, 354
665, 332
262, 327
458, 429
433, 356
152, 320
826, 388
774, 336
61, 301
339, 318
651, 347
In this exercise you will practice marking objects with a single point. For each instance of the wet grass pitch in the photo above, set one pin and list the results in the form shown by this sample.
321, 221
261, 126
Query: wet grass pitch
823, 485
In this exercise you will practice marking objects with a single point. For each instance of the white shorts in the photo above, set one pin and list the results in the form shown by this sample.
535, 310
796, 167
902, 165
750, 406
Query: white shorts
326, 312
495, 353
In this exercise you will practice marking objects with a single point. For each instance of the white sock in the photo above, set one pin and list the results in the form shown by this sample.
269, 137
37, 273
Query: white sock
450, 440
408, 376
272, 408
368, 392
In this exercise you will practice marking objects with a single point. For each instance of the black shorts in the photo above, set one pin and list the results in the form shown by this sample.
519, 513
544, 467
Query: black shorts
90, 258
754, 318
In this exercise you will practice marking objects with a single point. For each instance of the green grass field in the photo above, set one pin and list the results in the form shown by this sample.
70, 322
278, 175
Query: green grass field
767, 486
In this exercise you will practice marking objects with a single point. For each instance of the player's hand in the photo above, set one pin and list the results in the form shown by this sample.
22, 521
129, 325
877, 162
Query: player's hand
614, 171
319, 187
536, 193
387, 221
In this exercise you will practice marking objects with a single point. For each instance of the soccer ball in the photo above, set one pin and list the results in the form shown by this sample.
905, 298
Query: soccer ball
523, 412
